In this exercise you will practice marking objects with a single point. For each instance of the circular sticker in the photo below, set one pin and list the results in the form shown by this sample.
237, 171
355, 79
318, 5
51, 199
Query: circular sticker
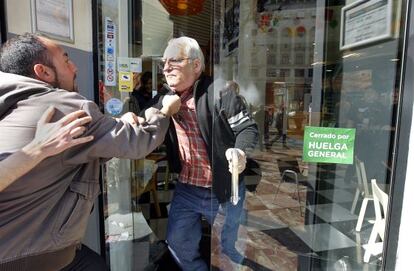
114, 106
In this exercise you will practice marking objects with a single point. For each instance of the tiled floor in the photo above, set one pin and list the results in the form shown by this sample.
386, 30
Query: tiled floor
275, 235
322, 237
332, 212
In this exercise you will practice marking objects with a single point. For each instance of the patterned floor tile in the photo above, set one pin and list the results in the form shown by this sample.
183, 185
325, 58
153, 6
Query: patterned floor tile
322, 237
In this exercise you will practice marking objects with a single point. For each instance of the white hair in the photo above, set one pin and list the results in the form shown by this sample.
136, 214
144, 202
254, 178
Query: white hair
191, 48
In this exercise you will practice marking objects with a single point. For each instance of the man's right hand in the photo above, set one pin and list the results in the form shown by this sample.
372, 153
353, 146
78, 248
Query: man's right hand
170, 104
133, 119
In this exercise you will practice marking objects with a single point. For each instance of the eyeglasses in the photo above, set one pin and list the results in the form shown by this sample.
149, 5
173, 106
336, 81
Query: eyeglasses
173, 62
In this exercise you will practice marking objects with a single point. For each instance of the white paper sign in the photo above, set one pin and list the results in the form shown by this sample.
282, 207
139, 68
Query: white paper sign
129, 64
135, 64
123, 64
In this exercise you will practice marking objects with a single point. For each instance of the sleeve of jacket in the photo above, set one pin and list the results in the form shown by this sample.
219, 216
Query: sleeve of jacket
116, 138
240, 121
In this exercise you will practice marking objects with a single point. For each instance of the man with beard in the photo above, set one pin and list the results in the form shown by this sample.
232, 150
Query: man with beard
44, 213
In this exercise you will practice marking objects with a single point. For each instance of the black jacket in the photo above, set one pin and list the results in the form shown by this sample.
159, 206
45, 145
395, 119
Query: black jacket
224, 122
139, 99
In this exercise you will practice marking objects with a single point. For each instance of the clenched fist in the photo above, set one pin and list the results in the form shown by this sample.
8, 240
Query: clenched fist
170, 104
241, 159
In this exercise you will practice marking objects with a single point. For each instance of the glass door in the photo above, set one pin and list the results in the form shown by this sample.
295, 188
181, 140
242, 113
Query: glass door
321, 81
133, 190
132, 36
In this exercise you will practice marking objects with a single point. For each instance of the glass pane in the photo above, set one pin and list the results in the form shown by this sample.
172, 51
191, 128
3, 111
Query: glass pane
302, 212
129, 78
283, 63
137, 193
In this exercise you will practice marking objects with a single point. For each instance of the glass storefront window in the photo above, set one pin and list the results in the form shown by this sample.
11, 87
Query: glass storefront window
319, 217
301, 211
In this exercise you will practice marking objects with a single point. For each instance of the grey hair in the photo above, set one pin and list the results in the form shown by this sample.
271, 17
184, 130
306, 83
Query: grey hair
191, 48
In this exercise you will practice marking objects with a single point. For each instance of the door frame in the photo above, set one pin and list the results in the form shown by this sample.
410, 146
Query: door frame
3, 22
402, 141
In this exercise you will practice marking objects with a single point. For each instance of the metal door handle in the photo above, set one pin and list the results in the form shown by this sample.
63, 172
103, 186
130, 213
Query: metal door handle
234, 199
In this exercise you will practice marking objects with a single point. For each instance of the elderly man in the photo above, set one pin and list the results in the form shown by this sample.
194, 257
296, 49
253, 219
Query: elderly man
205, 131
44, 213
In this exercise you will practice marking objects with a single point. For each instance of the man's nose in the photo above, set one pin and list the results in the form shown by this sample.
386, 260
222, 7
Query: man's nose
167, 67
73, 67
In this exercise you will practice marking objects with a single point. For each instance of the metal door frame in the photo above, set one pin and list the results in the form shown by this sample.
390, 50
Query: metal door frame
402, 139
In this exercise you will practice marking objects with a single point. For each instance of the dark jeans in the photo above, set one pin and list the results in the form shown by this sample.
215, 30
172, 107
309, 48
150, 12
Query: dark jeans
234, 214
86, 260
189, 204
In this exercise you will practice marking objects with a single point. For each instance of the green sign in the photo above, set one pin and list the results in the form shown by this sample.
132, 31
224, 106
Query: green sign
328, 145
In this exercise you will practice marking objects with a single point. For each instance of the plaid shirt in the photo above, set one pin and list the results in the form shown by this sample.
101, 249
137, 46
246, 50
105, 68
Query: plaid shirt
196, 169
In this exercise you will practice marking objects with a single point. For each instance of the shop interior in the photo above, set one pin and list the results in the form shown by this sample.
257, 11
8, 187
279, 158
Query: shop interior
285, 57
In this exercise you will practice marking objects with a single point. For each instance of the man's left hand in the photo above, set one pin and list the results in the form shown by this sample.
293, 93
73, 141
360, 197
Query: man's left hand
241, 156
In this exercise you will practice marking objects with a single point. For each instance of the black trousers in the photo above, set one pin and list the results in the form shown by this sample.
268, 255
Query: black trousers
86, 260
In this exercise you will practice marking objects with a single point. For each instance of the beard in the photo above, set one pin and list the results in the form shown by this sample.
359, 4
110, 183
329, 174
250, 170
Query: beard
55, 83
58, 84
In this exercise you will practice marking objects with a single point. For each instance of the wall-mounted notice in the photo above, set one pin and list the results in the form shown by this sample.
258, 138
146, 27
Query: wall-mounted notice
53, 18
110, 52
328, 145
363, 22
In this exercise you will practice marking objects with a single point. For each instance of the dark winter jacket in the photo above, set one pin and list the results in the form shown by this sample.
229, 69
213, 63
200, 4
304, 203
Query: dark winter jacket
224, 122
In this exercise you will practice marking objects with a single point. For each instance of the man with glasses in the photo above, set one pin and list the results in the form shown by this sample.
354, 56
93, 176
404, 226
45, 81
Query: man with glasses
202, 135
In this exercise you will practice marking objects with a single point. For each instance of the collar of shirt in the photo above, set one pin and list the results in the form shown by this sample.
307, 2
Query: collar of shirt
186, 94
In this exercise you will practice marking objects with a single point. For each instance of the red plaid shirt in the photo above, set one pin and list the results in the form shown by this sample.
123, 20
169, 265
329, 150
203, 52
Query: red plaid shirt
196, 169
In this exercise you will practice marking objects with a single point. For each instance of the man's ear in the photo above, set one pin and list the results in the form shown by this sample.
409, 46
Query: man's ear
197, 65
44, 73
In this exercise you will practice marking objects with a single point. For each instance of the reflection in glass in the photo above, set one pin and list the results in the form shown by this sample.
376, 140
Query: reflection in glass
292, 74
285, 58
